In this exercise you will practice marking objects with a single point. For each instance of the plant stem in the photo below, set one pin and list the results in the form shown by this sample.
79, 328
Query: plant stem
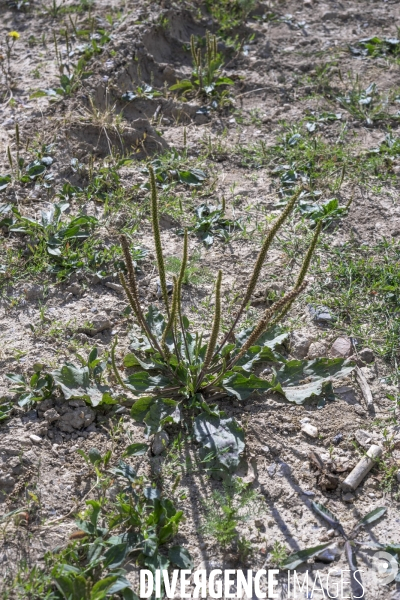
157, 238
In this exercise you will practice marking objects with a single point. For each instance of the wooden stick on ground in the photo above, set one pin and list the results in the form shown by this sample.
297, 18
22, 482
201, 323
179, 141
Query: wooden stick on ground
365, 389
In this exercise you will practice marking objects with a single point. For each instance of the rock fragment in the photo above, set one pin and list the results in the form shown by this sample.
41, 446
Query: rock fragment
160, 442
341, 348
309, 430
299, 344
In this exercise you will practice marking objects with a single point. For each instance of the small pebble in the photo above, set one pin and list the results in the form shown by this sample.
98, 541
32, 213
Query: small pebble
35, 439
310, 430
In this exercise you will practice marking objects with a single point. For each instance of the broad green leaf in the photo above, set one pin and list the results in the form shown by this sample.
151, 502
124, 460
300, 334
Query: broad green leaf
131, 360
115, 556
141, 407
180, 557
122, 585
161, 412
35, 171
372, 516
75, 382
71, 588
318, 373
124, 470
136, 450
185, 84
94, 456
143, 382
155, 321
325, 513
222, 436
192, 176
4, 181
101, 588
242, 387
294, 560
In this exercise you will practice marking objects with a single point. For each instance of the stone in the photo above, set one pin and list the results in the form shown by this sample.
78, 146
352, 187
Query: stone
317, 350
51, 415
271, 469
35, 439
341, 348
348, 497
169, 288
299, 345
363, 438
310, 430
338, 438
160, 442
366, 355
398, 475
329, 554
114, 286
74, 289
321, 314
201, 119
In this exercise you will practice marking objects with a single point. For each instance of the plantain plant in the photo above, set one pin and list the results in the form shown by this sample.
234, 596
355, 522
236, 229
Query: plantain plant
207, 74
177, 373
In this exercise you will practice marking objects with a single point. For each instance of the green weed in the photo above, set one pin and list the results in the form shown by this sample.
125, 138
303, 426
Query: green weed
226, 509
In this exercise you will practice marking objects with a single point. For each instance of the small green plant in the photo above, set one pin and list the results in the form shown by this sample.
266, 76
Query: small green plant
5, 59
229, 14
211, 223
375, 46
194, 273
226, 509
352, 545
365, 104
50, 230
278, 553
39, 387
86, 381
207, 77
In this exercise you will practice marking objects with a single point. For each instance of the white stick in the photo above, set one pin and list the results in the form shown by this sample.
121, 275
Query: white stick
361, 469
365, 389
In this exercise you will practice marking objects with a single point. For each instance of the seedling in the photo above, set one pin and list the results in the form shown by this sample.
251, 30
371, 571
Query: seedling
278, 553
226, 509
211, 222
352, 545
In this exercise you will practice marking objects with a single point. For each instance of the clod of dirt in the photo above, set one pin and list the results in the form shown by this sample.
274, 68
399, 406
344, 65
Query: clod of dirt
77, 418
367, 355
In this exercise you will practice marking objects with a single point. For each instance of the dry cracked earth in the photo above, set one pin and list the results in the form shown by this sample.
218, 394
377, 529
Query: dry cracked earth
85, 105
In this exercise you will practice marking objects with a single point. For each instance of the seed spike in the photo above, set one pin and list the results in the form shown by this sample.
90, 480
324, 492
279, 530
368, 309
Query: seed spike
157, 238
266, 318
302, 273
216, 323
260, 261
